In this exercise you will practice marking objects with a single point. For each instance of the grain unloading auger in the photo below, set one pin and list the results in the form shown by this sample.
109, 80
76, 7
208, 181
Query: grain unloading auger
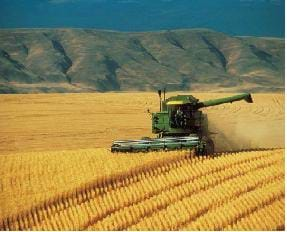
179, 125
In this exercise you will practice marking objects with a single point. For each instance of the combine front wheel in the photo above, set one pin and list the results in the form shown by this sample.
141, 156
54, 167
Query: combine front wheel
206, 146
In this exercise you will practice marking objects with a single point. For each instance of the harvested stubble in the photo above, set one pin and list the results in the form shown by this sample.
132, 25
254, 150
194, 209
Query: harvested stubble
46, 122
233, 191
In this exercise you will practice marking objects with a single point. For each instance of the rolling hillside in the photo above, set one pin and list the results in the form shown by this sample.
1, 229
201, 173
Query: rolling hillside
82, 60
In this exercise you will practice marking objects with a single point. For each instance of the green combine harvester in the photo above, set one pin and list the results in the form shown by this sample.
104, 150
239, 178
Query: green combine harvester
179, 125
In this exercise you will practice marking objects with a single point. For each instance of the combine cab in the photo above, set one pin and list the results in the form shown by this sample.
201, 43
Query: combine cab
179, 125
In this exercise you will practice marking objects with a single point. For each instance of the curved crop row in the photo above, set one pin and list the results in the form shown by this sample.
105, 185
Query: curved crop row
182, 193
269, 217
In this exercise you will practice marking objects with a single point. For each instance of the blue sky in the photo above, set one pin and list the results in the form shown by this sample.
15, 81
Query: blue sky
235, 17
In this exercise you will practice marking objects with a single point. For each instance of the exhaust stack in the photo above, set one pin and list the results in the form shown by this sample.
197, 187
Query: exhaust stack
159, 94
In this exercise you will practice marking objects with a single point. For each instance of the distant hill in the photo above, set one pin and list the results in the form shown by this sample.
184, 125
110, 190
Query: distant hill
82, 60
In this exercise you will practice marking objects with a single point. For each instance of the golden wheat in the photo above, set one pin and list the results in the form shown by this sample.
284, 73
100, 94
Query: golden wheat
44, 188
269, 217
45, 122
159, 191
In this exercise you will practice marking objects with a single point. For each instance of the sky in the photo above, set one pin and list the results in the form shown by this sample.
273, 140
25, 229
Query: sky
234, 17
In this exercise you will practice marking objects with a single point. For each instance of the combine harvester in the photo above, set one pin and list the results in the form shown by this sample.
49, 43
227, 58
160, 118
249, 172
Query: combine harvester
179, 125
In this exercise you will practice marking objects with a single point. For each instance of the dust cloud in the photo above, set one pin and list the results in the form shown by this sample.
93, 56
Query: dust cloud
241, 134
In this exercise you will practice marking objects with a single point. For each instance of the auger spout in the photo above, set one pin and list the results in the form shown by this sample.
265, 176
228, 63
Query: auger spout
246, 96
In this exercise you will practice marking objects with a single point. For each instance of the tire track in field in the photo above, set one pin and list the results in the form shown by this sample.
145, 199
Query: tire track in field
236, 109
259, 110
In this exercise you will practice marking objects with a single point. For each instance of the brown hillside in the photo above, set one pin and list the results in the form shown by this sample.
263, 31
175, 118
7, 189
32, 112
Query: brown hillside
78, 60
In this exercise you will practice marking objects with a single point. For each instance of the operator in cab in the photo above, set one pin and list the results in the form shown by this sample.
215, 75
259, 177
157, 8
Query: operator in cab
179, 117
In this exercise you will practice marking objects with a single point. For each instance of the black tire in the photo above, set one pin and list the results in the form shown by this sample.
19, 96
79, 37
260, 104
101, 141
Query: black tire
209, 147
206, 146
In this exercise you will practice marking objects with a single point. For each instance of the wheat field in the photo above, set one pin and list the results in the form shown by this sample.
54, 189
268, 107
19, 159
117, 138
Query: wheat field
57, 172
45, 122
